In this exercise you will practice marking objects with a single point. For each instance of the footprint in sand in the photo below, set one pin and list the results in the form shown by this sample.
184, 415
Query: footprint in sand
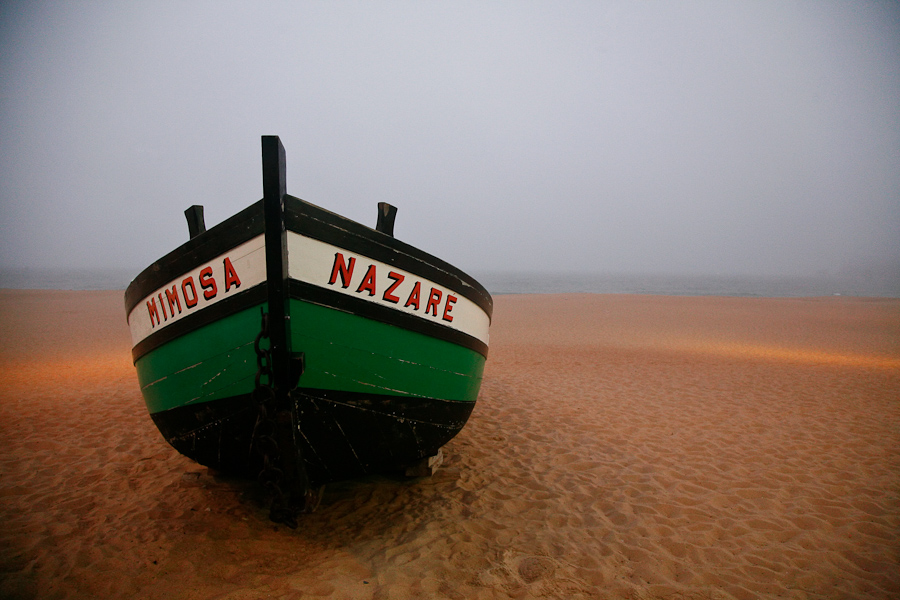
532, 568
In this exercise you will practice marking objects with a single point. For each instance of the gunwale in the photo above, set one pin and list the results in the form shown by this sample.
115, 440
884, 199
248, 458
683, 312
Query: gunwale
312, 221
307, 219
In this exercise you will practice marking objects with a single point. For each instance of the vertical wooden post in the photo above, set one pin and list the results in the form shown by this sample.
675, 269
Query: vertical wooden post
195, 221
386, 216
295, 486
274, 189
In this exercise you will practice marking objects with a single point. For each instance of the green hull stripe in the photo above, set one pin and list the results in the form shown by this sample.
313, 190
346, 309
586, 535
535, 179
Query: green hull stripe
344, 352
351, 353
210, 363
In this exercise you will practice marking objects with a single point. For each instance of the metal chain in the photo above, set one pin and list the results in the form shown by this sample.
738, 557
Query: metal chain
271, 477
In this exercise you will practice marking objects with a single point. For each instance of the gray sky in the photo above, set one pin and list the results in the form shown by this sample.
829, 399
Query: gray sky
646, 137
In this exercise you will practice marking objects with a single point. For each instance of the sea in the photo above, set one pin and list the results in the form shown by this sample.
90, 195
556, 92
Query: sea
862, 285
882, 284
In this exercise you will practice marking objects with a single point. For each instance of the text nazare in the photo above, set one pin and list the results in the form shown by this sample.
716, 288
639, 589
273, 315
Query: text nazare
186, 295
397, 288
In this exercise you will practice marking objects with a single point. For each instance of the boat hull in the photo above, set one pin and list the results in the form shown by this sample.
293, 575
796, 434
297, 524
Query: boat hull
366, 402
394, 343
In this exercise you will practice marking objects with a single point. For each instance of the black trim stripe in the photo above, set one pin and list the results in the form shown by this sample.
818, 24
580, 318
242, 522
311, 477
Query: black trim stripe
315, 222
234, 231
221, 309
300, 290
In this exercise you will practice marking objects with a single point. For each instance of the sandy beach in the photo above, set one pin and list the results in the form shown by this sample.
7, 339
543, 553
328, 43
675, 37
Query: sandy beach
623, 447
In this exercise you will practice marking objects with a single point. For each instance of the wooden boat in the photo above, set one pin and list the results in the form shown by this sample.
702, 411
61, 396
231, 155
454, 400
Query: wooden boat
294, 343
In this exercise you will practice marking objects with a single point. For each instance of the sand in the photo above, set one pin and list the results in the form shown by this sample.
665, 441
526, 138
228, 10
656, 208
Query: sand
639, 447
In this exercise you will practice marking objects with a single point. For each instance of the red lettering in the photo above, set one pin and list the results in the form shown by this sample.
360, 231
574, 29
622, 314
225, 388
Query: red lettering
192, 301
346, 271
433, 300
368, 282
389, 293
172, 299
451, 300
163, 304
231, 276
413, 299
153, 311
208, 283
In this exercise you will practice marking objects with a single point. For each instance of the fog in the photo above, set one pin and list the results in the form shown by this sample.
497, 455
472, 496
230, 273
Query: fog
758, 138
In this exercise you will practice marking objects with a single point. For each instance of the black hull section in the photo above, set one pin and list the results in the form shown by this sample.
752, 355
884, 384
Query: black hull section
341, 435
